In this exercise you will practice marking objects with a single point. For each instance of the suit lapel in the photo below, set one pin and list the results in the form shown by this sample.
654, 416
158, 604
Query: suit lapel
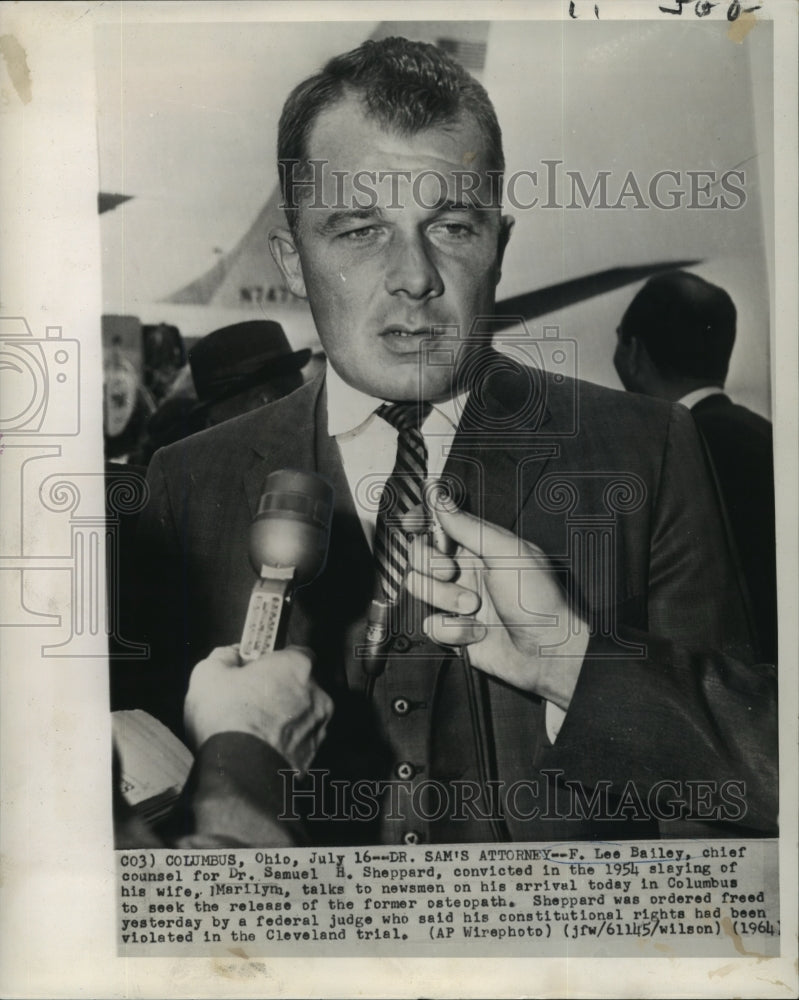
500, 450
295, 437
508, 437
350, 558
284, 439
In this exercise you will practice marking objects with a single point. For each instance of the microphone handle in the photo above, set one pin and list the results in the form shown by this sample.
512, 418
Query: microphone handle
266, 615
374, 651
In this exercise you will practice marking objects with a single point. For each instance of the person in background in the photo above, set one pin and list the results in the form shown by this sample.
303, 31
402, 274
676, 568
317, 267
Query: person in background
233, 370
675, 341
314, 366
241, 367
164, 355
127, 406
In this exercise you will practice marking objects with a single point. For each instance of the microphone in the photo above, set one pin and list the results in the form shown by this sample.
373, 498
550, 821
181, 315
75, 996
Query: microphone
289, 536
378, 630
437, 495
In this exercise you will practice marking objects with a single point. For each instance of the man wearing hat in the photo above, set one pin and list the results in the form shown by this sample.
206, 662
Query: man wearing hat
233, 370
241, 367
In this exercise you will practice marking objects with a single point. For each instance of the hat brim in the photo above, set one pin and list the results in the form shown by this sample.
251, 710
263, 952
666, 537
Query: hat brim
283, 365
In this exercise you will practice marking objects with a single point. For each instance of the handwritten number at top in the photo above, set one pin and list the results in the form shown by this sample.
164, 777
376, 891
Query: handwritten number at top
574, 16
703, 7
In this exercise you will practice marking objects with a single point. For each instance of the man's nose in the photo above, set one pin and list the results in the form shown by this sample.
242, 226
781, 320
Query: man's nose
411, 270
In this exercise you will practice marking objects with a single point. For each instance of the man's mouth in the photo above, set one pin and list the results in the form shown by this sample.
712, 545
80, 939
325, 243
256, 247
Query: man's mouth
406, 332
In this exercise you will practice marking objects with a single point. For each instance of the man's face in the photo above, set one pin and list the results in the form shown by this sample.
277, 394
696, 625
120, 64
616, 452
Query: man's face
419, 259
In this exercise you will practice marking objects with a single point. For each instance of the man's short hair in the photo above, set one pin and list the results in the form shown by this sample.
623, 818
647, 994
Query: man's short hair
405, 86
686, 324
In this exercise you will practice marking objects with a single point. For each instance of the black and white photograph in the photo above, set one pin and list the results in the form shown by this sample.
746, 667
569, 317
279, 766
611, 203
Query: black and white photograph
396, 510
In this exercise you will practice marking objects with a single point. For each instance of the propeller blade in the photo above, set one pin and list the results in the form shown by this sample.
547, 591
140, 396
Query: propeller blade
566, 293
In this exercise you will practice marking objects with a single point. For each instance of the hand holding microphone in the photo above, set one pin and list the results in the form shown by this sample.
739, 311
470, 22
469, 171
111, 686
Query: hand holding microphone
420, 520
273, 698
256, 687
497, 595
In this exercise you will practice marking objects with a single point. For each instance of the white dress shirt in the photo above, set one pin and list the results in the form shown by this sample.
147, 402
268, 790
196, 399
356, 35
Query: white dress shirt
368, 446
692, 398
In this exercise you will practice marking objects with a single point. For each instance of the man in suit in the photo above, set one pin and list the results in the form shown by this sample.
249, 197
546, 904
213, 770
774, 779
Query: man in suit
675, 342
401, 278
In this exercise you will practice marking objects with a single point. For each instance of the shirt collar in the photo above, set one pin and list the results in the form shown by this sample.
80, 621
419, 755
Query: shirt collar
349, 409
690, 399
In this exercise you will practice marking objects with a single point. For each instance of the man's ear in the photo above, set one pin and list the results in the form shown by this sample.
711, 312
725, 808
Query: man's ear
506, 224
283, 246
644, 371
636, 354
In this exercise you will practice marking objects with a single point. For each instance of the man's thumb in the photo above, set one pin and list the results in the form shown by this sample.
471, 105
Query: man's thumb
228, 655
479, 537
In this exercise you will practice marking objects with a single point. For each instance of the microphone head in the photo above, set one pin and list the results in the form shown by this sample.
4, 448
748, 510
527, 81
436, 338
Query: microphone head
291, 528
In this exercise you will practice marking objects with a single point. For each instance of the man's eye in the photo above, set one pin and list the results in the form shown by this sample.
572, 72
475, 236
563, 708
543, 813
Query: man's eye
358, 235
458, 230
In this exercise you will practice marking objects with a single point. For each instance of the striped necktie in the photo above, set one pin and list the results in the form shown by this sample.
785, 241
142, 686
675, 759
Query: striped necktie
404, 489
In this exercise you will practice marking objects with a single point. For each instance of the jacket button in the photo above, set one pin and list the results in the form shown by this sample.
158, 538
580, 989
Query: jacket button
400, 706
410, 837
402, 644
405, 771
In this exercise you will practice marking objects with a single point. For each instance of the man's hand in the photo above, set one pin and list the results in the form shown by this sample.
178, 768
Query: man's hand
273, 698
502, 600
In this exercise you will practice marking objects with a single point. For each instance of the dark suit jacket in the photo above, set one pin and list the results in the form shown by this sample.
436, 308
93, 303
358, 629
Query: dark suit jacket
613, 487
740, 446
234, 795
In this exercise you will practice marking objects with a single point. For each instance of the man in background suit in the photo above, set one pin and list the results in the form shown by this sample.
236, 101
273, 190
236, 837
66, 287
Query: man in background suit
401, 281
675, 342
